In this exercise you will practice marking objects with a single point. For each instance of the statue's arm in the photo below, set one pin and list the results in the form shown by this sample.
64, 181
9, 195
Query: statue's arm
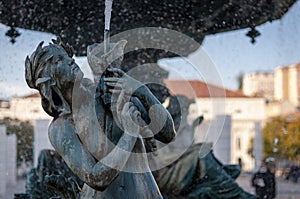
96, 174
161, 122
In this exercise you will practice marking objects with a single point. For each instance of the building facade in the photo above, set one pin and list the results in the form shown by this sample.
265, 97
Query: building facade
24, 108
259, 84
232, 122
281, 89
287, 84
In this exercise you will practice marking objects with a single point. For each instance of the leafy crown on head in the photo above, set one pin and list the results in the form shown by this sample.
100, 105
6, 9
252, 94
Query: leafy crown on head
39, 59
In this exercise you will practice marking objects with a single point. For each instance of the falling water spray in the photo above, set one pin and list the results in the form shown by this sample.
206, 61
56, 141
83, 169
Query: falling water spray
107, 14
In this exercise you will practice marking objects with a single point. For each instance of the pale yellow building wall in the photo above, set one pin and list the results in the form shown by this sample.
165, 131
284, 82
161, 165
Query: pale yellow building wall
259, 83
275, 109
278, 76
25, 109
281, 83
249, 84
287, 85
295, 90
293, 85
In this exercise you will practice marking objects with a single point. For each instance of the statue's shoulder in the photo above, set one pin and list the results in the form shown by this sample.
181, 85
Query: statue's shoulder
60, 130
89, 86
83, 93
59, 125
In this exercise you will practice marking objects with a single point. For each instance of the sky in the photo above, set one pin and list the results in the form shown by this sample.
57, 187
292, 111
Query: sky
278, 45
232, 53
12, 61
221, 58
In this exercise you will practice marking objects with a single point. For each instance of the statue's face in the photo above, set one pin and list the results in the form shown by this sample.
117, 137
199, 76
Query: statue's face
66, 70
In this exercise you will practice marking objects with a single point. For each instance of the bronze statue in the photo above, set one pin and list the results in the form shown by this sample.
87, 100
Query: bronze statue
104, 129
98, 127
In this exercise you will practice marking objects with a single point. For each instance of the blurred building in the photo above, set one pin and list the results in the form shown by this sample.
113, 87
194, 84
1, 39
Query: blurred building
259, 84
23, 108
287, 84
8, 149
279, 108
29, 108
232, 121
280, 88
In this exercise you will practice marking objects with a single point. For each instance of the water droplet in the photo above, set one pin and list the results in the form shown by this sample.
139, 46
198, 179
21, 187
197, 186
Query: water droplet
284, 130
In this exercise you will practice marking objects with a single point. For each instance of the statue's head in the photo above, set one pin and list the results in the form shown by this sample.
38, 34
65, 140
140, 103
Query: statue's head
52, 70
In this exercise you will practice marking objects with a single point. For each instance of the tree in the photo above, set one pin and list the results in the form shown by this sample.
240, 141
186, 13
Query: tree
24, 134
239, 80
282, 138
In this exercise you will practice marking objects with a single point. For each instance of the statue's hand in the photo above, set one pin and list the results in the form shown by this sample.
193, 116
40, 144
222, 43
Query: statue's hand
123, 81
130, 118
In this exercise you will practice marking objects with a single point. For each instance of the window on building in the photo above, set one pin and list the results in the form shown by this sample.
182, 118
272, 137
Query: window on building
238, 143
238, 111
240, 162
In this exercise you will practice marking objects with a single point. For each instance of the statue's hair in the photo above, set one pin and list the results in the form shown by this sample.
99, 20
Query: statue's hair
52, 100
40, 58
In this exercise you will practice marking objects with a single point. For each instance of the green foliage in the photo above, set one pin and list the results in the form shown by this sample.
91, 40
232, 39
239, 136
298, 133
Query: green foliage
24, 134
282, 138
239, 80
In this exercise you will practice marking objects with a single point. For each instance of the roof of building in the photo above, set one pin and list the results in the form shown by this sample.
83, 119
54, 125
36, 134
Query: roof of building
198, 89
33, 95
257, 73
4, 104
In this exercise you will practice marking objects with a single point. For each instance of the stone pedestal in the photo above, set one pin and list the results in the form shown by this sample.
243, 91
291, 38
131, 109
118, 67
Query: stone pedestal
41, 140
2, 160
258, 145
8, 160
11, 159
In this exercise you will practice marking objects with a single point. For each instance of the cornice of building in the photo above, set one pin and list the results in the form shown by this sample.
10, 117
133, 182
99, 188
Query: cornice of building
200, 89
287, 67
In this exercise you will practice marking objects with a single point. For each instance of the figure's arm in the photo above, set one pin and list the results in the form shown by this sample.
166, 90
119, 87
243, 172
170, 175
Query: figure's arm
97, 174
161, 124
253, 180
